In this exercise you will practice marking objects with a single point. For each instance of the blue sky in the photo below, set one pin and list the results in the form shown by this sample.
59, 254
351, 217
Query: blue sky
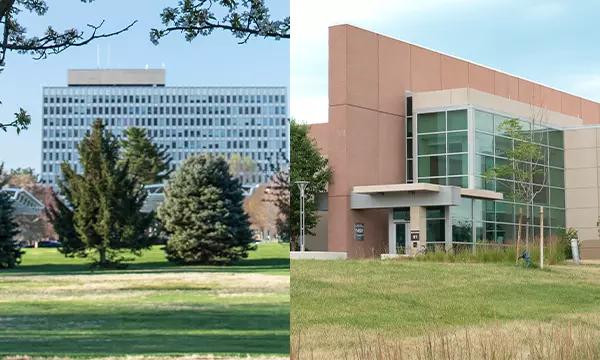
551, 42
215, 60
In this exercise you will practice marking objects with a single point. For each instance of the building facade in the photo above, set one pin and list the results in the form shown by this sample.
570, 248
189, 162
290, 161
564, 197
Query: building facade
249, 121
412, 135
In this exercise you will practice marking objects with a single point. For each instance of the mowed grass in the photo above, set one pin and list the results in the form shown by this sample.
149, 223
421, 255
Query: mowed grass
52, 306
336, 305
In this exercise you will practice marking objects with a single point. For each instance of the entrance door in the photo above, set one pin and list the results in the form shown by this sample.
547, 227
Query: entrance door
401, 238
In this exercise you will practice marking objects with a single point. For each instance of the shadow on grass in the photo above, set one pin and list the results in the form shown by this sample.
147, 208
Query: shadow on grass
268, 265
241, 329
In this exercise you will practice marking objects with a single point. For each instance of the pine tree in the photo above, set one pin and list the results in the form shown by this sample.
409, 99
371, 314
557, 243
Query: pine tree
106, 202
146, 160
10, 252
203, 212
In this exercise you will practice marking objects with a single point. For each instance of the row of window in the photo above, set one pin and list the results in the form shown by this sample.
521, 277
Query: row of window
179, 99
86, 122
173, 110
273, 134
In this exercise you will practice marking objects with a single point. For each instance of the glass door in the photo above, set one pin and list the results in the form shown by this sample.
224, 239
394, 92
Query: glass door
401, 237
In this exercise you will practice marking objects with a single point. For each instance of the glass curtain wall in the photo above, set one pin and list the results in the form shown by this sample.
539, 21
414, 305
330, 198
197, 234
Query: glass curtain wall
443, 158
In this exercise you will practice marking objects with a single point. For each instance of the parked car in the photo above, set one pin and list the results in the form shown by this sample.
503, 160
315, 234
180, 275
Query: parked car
48, 244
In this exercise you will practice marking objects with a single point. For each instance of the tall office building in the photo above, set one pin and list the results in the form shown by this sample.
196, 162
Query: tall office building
249, 121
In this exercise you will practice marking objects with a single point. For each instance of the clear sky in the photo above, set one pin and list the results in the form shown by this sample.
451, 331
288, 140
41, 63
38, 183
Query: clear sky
551, 42
206, 61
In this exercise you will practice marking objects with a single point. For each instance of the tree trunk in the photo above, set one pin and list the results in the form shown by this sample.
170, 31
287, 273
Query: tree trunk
102, 253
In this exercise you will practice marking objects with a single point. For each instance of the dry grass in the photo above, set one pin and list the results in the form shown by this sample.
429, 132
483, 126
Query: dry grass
187, 357
513, 341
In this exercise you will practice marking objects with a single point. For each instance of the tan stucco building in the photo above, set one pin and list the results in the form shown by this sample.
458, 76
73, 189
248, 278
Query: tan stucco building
411, 132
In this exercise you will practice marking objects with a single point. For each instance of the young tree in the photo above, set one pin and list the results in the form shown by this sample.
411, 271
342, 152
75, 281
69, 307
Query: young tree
307, 164
106, 202
16, 39
262, 213
147, 162
243, 19
203, 213
524, 173
10, 252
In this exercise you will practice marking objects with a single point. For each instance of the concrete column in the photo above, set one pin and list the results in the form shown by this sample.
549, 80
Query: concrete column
418, 222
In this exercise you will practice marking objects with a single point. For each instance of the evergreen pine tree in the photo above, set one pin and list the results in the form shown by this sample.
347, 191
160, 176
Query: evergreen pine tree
203, 212
10, 252
146, 160
106, 203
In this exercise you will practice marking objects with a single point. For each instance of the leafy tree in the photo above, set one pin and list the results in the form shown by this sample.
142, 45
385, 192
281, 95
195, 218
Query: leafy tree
10, 252
106, 202
203, 213
261, 212
241, 167
242, 18
307, 164
16, 39
524, 173
147, 162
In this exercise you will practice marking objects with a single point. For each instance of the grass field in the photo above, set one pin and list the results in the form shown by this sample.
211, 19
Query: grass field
339, 306
52, 306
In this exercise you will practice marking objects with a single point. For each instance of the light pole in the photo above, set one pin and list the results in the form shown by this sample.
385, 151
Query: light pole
302, 186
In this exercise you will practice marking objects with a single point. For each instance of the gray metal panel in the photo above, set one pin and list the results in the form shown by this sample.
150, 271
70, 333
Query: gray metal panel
448, 196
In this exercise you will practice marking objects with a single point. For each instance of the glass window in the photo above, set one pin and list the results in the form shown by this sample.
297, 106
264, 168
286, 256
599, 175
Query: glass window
542, 196
502, 145
437, 181
556, 139
498, 121
431, 122
432, 144
557, 197
432, 166
557, 177
557, 158
460, 181
458, 164
435, 230
457, 120
457, 142
484, 121
435, 212
483, 164
401, 214
505, 212
484, 143
409, 148
505, 233
409, 131
463, 210
462, 230
557, 218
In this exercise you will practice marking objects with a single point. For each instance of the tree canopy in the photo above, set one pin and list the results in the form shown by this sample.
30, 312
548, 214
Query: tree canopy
146, 161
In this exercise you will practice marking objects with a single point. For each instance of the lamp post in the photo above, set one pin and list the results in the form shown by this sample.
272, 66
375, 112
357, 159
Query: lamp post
302, 186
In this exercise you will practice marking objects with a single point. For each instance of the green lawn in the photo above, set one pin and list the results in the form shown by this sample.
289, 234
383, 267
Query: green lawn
52, 306
404, 299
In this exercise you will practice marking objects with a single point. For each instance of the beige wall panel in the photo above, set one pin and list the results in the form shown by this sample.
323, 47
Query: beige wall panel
362, 68
318, 242
590, 250
580, 138
580, 158
581, 178
582, 217
581, 198
394, 74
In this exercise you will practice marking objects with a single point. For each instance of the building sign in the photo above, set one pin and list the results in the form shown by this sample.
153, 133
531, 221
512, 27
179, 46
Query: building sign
359, 231
414, 238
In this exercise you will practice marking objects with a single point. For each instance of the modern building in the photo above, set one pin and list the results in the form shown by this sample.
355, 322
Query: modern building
249, 121
411, 134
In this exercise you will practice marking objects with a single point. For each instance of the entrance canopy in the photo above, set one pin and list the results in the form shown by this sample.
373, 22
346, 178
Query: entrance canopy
419, 194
